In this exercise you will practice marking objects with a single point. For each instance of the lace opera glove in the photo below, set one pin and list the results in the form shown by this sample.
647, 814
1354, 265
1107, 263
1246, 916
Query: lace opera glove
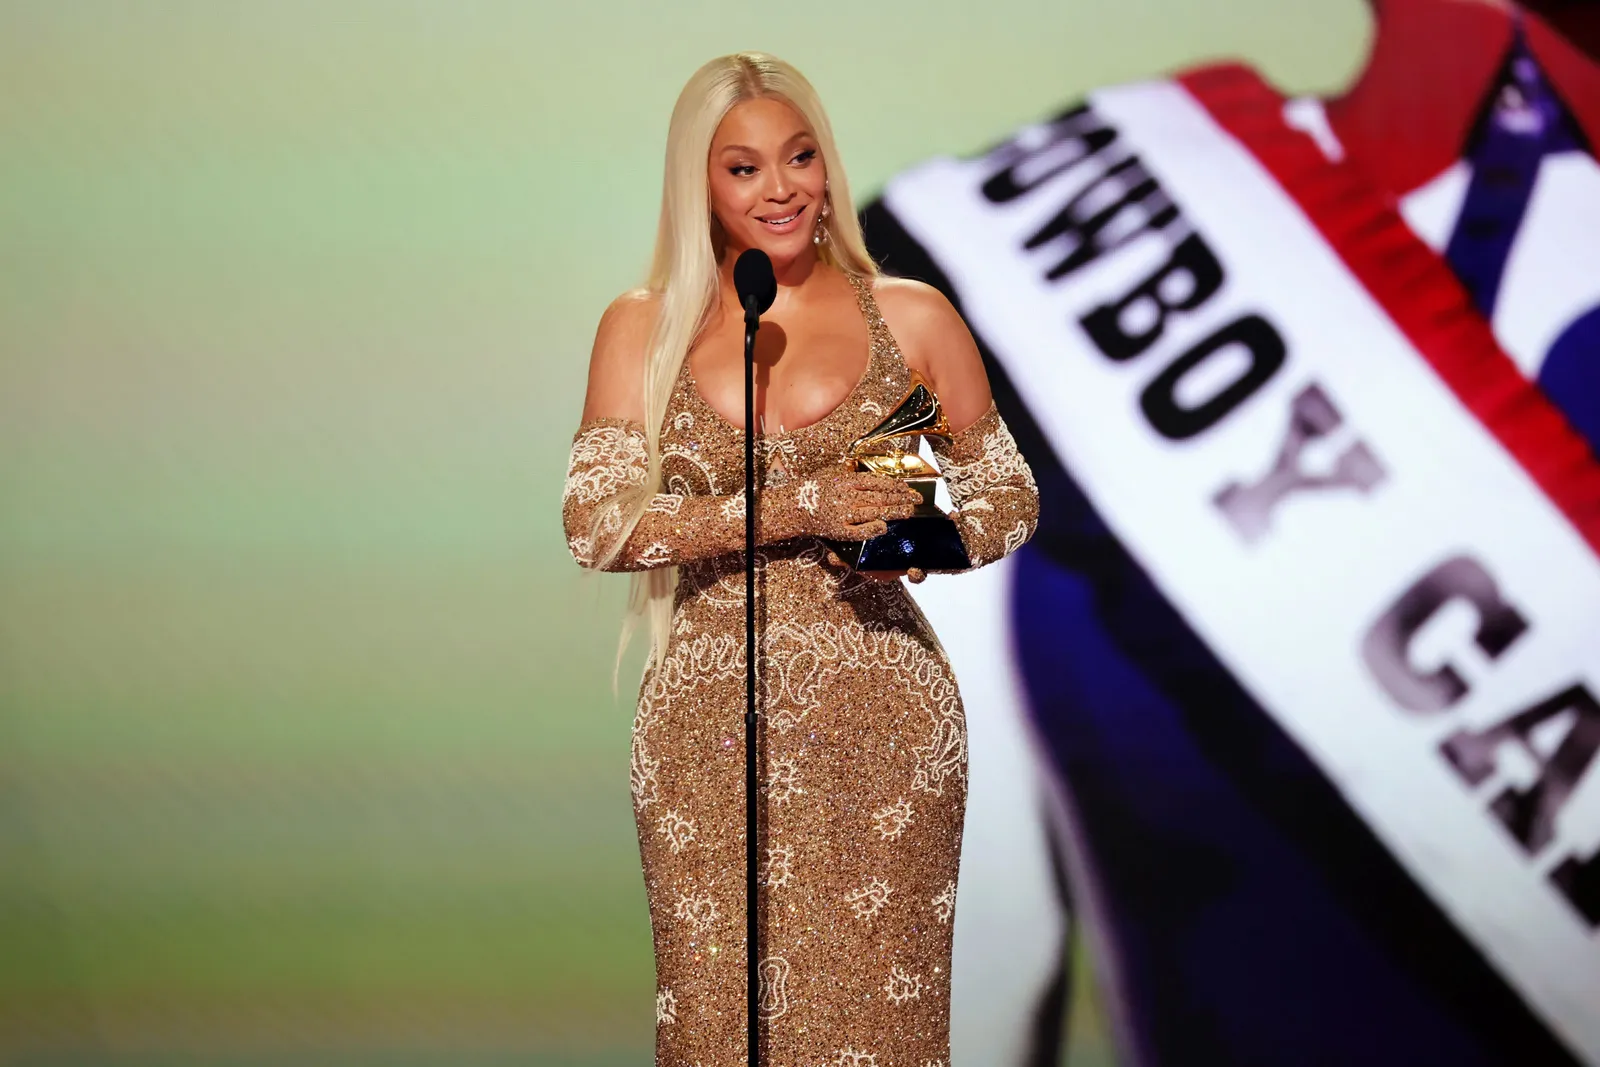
606, 471
992, 488
845, 504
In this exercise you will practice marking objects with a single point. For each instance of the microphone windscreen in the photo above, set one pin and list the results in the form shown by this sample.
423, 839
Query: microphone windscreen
753, 277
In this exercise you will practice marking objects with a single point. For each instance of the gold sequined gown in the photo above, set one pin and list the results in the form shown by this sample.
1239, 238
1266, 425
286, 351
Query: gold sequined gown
861, 737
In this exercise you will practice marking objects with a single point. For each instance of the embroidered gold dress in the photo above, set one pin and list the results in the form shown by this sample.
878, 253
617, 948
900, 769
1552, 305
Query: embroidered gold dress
861, 736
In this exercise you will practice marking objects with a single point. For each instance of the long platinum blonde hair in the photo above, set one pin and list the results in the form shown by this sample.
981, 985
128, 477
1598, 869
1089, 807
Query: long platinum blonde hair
683, 276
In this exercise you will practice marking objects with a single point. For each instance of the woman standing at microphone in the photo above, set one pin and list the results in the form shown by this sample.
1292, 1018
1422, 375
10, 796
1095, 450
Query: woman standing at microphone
861, 730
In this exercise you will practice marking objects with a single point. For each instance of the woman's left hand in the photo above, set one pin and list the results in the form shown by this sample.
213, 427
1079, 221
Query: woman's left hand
915, 574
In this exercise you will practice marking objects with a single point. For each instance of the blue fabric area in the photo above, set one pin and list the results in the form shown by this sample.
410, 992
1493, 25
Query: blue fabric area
1253, 917
1570, 375
1525, 124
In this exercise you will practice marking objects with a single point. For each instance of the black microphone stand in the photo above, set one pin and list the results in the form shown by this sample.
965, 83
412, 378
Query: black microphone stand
752, 322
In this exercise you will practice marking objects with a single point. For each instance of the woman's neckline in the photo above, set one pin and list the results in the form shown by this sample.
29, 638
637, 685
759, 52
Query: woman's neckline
863, 294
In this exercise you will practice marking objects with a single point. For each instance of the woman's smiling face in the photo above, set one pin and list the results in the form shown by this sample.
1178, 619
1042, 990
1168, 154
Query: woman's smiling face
767, 179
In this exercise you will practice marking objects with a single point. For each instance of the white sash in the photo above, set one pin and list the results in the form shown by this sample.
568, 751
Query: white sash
1288, 606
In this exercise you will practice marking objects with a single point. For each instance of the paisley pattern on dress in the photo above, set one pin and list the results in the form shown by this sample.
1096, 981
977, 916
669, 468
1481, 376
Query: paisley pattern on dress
861, 735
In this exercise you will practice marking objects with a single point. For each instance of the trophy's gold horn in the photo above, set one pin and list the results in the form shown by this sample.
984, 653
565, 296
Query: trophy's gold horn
918, 412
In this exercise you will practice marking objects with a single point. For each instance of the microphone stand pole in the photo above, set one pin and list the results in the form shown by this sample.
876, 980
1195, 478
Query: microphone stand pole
752, 322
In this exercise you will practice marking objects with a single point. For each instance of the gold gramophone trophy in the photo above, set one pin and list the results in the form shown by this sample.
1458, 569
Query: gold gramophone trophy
929, 538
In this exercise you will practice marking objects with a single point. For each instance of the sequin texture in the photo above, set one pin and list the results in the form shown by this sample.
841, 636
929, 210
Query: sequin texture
861, 737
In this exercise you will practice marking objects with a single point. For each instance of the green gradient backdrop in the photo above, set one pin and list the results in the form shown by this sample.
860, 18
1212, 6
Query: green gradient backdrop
307, 749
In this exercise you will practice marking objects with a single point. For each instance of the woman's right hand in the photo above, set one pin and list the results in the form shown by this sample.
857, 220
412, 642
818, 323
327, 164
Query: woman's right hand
846, 504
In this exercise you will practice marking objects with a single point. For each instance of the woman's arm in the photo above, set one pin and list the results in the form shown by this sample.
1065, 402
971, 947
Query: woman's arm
609, 461
996, 500
605, 477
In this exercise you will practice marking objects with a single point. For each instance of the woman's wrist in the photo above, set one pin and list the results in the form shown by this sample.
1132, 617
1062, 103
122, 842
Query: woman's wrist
782, 516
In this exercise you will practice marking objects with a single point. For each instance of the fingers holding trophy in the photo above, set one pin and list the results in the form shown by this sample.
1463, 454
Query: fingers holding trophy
927, 540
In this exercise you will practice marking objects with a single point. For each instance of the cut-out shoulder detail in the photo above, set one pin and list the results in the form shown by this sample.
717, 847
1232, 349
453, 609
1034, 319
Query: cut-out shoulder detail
891, 284
957, 431
936, 342
618, 359
638, 301
630, 317
911, 301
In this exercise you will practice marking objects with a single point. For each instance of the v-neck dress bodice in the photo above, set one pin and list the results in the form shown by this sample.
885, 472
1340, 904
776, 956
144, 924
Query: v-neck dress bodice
861, 735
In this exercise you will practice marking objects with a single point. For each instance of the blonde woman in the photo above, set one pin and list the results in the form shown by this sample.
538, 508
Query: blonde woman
862, 735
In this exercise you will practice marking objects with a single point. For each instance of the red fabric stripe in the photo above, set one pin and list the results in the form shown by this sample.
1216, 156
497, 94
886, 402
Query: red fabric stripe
1414, 286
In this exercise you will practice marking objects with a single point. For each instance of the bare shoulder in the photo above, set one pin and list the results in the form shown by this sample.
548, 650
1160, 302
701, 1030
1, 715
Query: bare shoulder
934, 339
913, 306
617, 361
626, 323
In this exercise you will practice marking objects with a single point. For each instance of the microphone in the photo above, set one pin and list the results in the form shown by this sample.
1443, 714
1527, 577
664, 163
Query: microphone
755, 283
757, 288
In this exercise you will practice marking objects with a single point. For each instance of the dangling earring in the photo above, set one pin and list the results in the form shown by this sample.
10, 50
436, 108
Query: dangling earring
820, 234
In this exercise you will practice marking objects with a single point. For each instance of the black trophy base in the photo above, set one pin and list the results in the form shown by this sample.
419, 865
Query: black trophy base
929, 541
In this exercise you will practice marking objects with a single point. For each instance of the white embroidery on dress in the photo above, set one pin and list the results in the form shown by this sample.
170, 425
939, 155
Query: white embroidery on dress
996, 467
718, 581
849, 1057
772, 989
666, 503
675, 480
603, 460
902, 985
703, 659
781, 457
893, 819
870, 407
972, 521
837, 581
642, 774
666, 1007
944, 755
1017, 537
733, 507
582, 548
698, 910
611, 517
944, 904
999, 463
809, 496
683, 421
783, 780
656, 553
678, 830
869, 899
785, 718
779, 869
803, 658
